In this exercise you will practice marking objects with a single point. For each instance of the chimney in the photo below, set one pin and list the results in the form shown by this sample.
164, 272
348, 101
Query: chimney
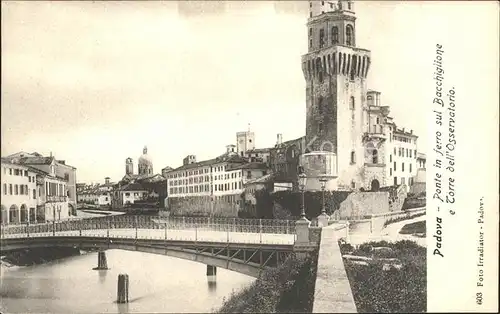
106, 180
279, 139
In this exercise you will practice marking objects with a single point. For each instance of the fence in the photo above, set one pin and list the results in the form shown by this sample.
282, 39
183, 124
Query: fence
238, 225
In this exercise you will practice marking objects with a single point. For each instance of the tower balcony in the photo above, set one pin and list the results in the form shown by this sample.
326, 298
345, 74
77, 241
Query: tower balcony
378, 135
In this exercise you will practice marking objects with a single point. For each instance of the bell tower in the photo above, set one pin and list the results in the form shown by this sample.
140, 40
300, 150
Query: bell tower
129, 166
335, 70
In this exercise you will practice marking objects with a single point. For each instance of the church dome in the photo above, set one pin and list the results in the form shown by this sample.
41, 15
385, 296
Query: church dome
145, 164
145, 159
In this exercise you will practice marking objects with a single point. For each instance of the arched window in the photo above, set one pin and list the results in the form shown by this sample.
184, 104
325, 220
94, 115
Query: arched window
310, 37
375, 156
349, 34
351, 103
335, 35
353, 157
353, 67
320, 105
319, 70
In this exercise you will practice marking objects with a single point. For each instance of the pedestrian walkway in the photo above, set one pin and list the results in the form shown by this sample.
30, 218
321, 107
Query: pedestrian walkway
390, 234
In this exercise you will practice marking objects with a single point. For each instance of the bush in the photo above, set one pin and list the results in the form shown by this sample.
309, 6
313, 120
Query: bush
288, 288
397, 290
416, 227
291, 202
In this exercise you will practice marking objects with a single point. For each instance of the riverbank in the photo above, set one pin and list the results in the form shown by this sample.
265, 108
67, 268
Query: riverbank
38, 256
286, 289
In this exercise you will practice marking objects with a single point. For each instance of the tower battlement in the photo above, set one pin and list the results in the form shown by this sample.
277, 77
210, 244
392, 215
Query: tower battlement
336, 60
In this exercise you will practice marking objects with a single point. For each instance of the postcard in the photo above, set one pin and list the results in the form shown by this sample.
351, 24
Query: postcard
329, 156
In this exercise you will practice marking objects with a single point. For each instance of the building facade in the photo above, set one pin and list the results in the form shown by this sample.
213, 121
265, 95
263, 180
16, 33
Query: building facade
97, 194
245, 141
31, 194
212, 186
128, 195
51, 165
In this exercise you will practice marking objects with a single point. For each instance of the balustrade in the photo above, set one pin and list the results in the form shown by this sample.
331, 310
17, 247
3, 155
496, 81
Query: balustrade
147, 226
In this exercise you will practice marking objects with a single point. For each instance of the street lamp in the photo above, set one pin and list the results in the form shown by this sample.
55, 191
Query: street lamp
323, 179
323, 218
302, 186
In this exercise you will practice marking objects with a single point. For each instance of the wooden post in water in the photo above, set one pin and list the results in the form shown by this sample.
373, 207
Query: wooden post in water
102, 262
122, 288
211, 273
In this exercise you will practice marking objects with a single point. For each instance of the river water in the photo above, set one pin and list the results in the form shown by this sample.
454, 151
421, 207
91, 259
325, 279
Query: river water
157, 284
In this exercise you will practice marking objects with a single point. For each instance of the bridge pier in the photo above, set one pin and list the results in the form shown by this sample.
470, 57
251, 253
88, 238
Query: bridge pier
302, 231
211, 274
102, 262
122, 288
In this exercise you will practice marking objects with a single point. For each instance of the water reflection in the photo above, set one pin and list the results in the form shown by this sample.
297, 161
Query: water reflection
212, 286
123, 308
102, 275
157, 284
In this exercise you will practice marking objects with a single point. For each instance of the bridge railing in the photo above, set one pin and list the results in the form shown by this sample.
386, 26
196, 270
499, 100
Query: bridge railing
236, 225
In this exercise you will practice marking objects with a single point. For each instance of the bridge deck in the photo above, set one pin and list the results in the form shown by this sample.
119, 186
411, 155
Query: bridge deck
177, 235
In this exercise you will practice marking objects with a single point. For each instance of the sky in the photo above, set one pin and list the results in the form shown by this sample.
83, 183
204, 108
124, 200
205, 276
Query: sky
94, 82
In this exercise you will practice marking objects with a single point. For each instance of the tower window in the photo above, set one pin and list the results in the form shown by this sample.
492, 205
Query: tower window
321, 38
351, 103
349, 5
319, 70
375, 156
353, 157
320, 105
349, 35
403, 167
335, 35
353, 67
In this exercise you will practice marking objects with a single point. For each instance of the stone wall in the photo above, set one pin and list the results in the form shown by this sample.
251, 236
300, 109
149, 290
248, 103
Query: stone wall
362, 204
333, 292
398, 199
418, 187
315, 235
201, 206
374, 172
